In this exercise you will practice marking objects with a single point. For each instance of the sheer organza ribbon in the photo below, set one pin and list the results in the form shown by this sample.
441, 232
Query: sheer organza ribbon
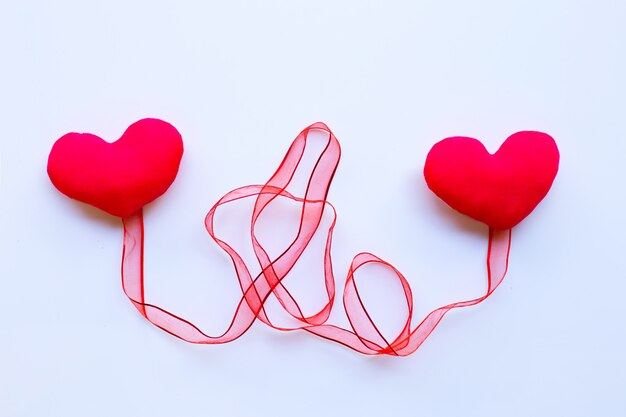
363, 335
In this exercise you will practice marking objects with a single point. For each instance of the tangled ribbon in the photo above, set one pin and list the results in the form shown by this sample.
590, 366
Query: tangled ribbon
363, 336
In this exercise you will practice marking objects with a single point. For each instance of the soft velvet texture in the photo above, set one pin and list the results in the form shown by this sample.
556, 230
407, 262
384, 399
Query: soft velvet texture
500, 189
119, 177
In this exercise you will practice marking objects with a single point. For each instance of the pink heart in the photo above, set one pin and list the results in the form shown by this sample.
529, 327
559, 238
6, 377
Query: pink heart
500, 189
119, 177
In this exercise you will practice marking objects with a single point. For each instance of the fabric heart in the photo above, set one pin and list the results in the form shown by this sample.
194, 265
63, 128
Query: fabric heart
119, 177
500, 189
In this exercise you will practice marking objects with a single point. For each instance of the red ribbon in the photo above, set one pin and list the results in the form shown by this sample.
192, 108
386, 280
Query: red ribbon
363, 336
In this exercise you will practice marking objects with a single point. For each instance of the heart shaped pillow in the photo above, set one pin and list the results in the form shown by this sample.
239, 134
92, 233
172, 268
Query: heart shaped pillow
119, 177
500, 189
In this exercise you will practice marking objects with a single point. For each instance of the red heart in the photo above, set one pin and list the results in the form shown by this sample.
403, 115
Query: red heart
119, 177
500, 189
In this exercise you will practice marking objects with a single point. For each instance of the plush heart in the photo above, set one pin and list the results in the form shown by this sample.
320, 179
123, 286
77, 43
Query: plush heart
500, 189
119, 177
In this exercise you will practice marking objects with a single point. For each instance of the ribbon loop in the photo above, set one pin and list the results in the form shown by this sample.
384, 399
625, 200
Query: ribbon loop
364, 336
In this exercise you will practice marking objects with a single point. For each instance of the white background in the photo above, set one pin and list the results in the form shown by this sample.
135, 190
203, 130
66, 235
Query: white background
240, 80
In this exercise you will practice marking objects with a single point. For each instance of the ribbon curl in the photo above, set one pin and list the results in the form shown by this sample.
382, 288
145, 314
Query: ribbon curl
363, 336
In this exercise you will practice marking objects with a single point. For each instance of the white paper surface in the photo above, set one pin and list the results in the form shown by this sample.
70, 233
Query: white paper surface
240, 80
